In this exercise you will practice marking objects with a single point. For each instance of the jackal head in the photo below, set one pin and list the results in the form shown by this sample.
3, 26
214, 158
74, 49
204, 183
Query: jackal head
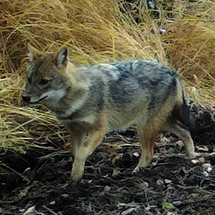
46, 76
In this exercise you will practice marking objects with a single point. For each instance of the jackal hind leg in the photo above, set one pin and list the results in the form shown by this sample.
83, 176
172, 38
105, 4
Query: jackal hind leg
147, 138
183, 132
96, 133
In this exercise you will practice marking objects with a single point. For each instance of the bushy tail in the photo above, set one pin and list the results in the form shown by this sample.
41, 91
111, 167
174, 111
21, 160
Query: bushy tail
187, 118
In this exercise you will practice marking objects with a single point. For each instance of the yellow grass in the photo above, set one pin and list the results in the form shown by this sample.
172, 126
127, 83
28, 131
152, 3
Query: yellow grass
95, 32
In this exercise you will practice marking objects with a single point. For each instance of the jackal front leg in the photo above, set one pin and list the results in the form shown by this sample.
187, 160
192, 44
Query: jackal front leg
77, 137
95, 136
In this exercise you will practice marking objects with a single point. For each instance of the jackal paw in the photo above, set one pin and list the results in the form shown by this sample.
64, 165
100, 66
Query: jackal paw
138, 169
73, 183
193, 155
76, 177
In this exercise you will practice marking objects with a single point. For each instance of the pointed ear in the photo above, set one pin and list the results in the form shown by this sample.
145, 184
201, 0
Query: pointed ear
33, 53
61, 57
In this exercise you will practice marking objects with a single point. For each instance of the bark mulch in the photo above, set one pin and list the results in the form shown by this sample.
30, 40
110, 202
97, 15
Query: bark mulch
38, 182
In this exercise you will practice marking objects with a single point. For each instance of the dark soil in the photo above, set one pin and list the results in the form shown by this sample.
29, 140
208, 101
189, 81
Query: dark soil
39, 181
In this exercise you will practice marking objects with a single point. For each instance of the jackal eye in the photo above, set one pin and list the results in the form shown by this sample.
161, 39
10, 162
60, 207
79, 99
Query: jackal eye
43, 82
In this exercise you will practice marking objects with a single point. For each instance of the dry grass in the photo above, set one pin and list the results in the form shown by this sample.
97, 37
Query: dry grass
96, 31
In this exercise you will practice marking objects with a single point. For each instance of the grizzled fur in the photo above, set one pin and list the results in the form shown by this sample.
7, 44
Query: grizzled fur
93, 100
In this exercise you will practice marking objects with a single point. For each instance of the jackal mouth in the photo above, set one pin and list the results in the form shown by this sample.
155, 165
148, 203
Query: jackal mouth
42, 98
39, 100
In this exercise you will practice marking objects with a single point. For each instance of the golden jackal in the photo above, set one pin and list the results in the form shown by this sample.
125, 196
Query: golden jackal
93, 100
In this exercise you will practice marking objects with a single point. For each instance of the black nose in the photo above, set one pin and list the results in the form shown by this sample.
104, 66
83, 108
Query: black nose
26, 98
